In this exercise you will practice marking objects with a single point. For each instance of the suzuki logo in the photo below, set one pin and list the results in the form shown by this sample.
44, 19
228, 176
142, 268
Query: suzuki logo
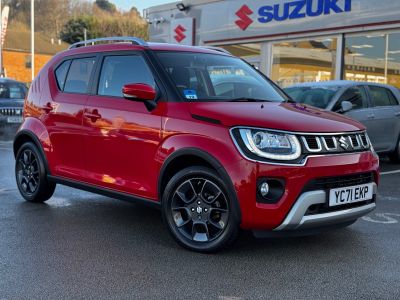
180, 36
343, 143
244, 21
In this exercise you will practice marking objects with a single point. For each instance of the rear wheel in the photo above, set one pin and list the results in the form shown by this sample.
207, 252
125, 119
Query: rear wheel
198, 210
395, 156
31, 175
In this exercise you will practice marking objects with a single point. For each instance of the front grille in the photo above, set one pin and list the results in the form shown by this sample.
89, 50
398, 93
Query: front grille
10, 111
327, 183
341, 143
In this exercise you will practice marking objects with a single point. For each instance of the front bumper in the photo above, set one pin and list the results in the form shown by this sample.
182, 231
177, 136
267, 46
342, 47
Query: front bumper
291, 213
297, 219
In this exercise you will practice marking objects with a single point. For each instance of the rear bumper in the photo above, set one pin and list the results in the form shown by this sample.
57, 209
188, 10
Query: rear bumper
297, 219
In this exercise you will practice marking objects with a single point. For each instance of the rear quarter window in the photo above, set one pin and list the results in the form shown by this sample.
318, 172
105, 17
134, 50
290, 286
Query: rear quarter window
61, 74
79, 74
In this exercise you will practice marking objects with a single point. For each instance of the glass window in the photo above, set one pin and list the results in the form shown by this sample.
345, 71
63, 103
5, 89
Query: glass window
373, 57
318, 96
356, 95
120, 70
311, 60
381, 96
79, 75
12, 90
214, 77
61, 74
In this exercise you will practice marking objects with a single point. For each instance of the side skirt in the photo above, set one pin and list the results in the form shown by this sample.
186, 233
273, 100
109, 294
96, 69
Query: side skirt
104, 191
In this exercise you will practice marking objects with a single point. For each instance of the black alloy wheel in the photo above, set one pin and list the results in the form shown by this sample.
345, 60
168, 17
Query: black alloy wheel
198, 210
31, 175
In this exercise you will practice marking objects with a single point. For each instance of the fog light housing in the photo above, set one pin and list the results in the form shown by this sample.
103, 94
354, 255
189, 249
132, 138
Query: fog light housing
270, 190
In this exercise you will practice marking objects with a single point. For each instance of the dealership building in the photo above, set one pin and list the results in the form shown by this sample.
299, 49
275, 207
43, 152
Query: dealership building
292, 41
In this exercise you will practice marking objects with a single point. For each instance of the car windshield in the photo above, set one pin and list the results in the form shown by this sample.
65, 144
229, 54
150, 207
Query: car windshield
318, 96
12, 90
213, 77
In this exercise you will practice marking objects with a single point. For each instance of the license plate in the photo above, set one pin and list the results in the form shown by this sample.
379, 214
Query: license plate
14, 120
350, 194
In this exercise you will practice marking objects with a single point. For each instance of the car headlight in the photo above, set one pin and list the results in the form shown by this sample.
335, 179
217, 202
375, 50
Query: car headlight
270, 144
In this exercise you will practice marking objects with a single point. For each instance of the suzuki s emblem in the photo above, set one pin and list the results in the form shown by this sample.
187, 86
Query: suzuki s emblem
244, 21
343, 143
180, 35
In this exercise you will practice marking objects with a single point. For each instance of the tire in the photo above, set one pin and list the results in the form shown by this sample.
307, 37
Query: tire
31, 175
395, 156
198, 211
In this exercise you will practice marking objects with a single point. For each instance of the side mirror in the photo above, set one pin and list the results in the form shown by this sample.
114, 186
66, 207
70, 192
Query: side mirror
140, 92
346, 106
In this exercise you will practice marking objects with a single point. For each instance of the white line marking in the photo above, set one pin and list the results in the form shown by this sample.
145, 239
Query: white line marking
390, 172
384, 218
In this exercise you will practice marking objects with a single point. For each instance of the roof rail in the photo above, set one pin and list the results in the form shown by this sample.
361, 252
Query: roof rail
133, 40
219, 49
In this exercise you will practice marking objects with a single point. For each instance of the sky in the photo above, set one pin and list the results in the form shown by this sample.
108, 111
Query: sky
140, 4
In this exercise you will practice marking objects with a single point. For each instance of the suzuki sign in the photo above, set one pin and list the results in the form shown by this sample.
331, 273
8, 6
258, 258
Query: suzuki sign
251, 20
182, 31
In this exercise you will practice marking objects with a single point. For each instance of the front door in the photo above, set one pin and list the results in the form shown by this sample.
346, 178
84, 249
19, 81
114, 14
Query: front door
122, 135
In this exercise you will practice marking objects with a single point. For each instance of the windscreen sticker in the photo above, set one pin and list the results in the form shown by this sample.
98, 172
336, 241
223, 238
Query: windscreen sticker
190, 94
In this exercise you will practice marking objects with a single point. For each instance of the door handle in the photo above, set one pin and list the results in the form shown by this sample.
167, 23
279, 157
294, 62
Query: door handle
93, 116
47, 107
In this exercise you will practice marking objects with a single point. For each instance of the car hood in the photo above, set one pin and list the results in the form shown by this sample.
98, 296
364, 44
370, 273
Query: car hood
280, 116
11, 102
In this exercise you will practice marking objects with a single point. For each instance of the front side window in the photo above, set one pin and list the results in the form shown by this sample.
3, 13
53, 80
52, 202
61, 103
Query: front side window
79, 75
382, 96
318, 96
12, 90
213, 77
356, 96
118, 71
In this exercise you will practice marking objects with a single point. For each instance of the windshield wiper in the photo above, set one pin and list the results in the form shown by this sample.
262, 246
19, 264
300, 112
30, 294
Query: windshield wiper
248, 99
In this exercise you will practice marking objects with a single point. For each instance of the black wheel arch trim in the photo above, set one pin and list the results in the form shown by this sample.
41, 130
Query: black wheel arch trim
36, 141
219, 168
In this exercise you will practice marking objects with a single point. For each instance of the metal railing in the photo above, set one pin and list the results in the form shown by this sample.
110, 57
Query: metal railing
122, 39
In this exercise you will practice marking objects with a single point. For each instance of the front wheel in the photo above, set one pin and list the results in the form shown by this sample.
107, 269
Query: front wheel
198, 211
395, 156
31, 175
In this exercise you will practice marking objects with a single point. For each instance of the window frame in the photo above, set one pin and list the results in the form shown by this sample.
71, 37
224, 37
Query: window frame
159, 87
346, 88
71, 58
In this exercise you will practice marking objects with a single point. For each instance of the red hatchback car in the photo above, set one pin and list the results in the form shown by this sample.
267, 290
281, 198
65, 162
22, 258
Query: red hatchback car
197, 132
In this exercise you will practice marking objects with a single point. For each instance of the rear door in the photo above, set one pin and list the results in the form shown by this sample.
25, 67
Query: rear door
122, 135
62, 115
384, 123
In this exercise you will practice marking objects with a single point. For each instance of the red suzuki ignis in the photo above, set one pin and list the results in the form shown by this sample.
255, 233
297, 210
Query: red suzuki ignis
198, 133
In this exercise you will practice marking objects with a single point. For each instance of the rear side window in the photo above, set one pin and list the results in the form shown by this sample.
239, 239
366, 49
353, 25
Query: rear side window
382, 96
79, 75
120, 70
61, 74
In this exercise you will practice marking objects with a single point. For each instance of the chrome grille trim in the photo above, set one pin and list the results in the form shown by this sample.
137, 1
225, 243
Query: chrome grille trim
11, 111
308, 146
334, 142
343, 142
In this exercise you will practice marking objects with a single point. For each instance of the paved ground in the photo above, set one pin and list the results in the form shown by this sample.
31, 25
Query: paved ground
81, 245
